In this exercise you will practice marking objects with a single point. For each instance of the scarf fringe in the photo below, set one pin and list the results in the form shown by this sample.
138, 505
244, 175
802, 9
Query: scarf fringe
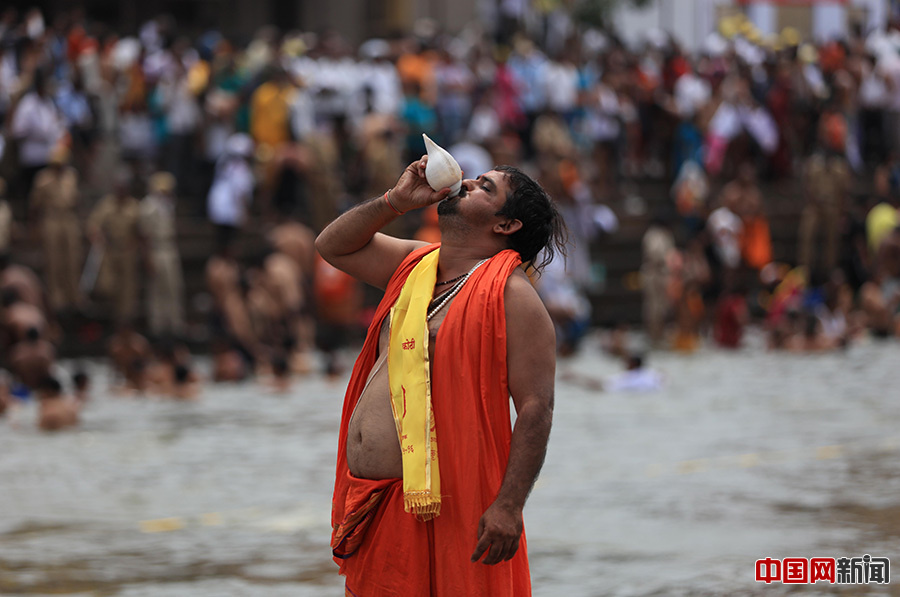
422, 503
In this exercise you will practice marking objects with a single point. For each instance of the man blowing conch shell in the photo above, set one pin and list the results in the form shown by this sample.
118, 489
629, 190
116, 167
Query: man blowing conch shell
431, 479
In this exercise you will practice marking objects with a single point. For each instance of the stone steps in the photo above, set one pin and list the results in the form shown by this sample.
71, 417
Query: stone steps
620, 253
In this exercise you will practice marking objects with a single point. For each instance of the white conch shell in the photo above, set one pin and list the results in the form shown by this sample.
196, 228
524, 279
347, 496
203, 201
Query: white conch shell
442, 169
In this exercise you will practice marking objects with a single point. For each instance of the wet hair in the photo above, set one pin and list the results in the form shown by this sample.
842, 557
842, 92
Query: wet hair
182, 373
10, 297
49, 385
543, 229
80, 379
279, 366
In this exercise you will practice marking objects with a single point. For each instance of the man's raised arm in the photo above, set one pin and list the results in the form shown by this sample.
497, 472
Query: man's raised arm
352, 242
531, 362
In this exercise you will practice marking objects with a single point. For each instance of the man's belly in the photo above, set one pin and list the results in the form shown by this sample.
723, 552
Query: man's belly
373, 449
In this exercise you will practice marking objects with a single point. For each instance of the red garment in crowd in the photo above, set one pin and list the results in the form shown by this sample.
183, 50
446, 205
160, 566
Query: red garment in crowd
728, 327
673, 70
506, 99
381, 549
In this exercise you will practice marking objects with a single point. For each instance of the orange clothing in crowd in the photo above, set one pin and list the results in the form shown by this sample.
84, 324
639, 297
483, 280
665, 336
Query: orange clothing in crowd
756, 242
383, 550
338, 295
429, 231
270, 109
419, 69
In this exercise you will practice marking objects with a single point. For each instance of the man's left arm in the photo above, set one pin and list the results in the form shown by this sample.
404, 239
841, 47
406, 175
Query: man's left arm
531, 363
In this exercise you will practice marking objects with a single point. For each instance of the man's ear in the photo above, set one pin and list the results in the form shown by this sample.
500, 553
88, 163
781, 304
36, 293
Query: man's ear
507, 227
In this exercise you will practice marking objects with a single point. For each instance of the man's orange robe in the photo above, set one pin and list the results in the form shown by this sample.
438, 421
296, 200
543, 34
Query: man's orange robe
383, 550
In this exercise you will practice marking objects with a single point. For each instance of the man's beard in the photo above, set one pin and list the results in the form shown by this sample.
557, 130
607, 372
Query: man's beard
445, 208
450, 206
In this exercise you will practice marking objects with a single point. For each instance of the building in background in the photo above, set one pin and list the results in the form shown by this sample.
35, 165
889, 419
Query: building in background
355, 20
691, 21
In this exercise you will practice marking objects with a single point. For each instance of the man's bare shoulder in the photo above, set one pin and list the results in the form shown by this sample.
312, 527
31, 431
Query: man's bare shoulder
521, 297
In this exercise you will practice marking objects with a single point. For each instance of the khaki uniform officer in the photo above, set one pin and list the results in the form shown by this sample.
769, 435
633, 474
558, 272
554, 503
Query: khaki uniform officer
54, 202
165, 285
114, 226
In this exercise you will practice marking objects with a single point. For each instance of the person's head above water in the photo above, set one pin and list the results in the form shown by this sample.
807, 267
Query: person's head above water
519, 212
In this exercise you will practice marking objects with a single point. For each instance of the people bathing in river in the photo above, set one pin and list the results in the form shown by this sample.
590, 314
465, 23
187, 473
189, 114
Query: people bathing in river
32, 358
170, 374
82, 386
228, 363
280, 380
185, 384
637, 377
130, 354
57, 410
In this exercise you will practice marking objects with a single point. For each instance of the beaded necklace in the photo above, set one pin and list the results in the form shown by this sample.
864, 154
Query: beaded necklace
451, 280
445, 298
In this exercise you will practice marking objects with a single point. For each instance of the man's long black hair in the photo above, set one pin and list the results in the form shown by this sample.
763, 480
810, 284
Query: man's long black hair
543, 233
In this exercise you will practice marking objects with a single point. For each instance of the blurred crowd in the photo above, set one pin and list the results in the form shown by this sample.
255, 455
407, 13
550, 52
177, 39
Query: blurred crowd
115, 148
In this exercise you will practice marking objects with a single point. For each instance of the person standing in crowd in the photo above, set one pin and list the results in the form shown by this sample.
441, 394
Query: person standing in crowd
827, 178
725, 227
39, 127
54, 207
884, 215
744, 199
658, 244
232, 189
880, 296
75, 106
231, 323
165, 287
112, 229
297, 242
270, 110
182, 115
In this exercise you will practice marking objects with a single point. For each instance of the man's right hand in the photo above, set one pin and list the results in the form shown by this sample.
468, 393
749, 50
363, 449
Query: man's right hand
413, 191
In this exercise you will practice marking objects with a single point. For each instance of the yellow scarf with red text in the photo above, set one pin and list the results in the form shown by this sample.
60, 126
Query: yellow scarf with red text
410, 381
